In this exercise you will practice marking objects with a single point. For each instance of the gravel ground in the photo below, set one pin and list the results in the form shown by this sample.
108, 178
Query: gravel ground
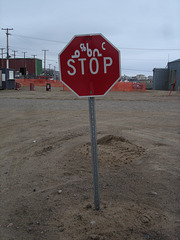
46, 176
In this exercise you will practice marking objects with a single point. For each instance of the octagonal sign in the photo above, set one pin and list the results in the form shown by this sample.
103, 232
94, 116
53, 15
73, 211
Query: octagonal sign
89, 65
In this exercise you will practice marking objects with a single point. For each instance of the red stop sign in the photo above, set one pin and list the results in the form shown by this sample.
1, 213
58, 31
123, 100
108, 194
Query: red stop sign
89, 65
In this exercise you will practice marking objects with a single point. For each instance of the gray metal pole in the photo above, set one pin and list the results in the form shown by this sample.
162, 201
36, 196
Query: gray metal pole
45, 61
24, 63
7, 33
34, 65
92, 119
14, 60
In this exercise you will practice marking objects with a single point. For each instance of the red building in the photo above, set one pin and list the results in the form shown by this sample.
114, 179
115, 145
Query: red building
28, 66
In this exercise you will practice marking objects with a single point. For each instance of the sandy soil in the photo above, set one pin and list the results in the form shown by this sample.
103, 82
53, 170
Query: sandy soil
46, 175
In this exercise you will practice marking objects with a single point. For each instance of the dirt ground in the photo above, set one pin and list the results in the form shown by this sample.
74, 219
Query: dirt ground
46, 172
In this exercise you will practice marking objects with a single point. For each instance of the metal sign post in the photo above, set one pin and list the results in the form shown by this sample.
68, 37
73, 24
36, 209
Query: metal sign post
92, 119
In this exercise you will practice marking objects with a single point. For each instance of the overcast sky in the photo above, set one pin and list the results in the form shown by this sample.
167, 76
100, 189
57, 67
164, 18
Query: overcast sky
146, 32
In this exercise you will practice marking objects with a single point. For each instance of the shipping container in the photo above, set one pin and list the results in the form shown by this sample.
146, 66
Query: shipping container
167, 78
160, 78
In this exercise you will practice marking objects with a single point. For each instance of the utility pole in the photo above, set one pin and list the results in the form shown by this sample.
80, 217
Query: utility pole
2, 57
49, 69
54, 72
34, 65
14, 60
45, 61
24, 63
7, 33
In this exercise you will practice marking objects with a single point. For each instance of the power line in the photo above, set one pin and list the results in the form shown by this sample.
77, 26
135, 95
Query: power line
51, 60
142, 59
138, 70
123, 48
151, 49
41, 39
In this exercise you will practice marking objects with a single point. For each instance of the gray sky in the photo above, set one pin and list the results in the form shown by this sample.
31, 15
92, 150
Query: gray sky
146, 32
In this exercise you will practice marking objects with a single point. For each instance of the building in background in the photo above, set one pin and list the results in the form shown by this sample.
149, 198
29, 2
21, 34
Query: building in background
140, 78
166, 78
160, 79
27, 67
174, 74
